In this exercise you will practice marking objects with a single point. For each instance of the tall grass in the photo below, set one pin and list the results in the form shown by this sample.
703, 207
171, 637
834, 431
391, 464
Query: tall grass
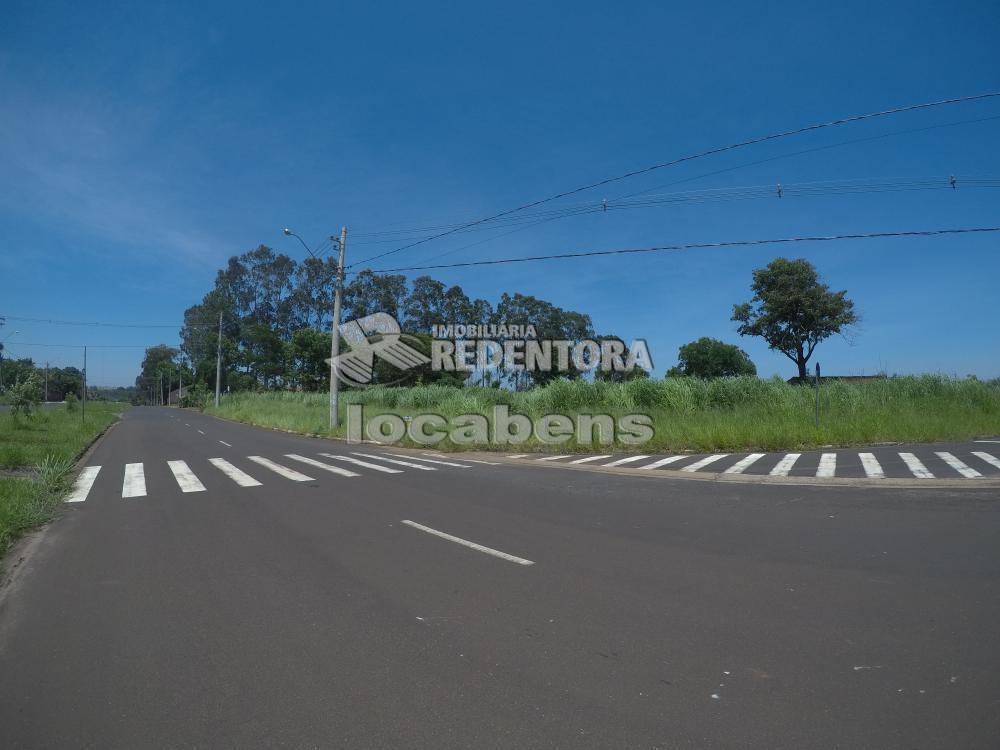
42, 448
687, 413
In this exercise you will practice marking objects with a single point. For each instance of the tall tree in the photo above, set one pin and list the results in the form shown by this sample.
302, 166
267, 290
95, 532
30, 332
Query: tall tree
711, 358
792, 310
371, 292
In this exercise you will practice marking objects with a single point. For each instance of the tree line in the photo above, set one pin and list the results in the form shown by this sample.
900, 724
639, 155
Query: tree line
275, 315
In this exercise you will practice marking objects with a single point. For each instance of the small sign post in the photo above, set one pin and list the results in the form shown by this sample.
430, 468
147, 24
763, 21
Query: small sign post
817, 395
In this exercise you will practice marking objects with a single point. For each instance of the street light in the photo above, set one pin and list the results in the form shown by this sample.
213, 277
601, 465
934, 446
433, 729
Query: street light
341, 245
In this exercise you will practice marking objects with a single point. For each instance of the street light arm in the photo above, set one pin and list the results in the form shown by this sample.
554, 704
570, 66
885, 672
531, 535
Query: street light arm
289, 233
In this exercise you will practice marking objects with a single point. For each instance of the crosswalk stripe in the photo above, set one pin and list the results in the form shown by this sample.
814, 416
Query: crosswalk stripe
397, 462
987, 458
960, 466
237, 475
827, 465
589, 459
744, 463
704, 462
280, 470
186, 479
134, 484
873, 469
366, 464
663, 462
321, 465
83, 483
554, 458
626, 460
915, 466
785, 465
432, 461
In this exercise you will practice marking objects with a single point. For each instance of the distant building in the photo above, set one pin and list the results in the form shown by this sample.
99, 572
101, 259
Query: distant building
175, 396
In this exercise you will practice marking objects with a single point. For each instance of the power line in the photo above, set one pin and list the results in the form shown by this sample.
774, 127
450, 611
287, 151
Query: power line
699, 246
691, 157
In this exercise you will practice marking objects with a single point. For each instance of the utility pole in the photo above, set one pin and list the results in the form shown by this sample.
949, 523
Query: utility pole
218, 364
83, 410
180, 383
46, 382
335, 334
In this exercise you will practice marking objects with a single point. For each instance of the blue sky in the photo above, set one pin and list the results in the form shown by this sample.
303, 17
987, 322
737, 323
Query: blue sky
143, 144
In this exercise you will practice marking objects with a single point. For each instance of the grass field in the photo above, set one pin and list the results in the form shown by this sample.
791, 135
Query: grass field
688, 414
42, 449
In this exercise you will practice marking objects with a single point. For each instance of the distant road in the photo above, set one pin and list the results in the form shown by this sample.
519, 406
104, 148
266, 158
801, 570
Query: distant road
217, 585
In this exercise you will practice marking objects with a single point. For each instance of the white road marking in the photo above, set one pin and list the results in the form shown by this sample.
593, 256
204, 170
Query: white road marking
135, 481
186, 424
284, 471
225, 443
432, 461
827, 465
186, 479
663, 462
979, 454
83, 483
987, 441
554, 458
467, 460
398, 463
470, 545
873, 469
321, 465
704, 462
626, 460
740, 466
366, 464
201, 432
240, 477
915, 466
589, 459
519, 455
960, 466
785, 465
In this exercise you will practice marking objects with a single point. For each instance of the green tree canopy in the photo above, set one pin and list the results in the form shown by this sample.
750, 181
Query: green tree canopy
711, 358
792, 310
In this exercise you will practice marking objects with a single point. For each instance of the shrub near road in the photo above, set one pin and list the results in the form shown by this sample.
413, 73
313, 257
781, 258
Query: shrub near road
36, 461
688, 413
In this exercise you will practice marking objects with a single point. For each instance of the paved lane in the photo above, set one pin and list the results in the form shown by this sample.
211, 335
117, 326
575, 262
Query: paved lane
655, 613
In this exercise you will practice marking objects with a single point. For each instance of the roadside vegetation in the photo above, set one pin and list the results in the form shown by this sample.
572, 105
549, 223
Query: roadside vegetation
740, 413
38, 448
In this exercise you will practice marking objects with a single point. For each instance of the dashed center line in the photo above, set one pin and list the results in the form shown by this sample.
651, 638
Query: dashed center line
202, 432
225, 443
470, 545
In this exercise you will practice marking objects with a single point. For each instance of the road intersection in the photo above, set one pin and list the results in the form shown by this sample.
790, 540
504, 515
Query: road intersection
241, 587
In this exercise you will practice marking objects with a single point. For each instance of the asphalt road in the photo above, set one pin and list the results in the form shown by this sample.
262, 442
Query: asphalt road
654, 613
